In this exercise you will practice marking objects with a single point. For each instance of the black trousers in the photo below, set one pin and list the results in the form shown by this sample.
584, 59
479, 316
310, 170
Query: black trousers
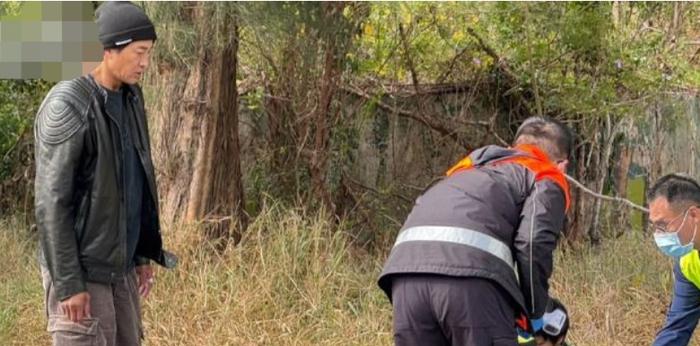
442, 310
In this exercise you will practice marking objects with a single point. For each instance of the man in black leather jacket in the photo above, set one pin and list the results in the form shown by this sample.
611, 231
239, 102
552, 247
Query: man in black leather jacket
96, 198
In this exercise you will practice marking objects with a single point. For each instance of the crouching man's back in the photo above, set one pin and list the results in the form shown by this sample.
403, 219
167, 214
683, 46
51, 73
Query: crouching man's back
476, 250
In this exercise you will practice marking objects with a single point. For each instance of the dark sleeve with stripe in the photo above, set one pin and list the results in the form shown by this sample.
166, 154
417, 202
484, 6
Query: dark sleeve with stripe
541, 221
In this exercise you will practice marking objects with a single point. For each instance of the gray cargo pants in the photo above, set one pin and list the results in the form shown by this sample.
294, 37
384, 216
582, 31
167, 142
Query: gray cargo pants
115, 309
440, 310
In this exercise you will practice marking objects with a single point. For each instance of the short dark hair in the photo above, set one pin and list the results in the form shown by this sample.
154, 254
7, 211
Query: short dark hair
550, 135
679, 190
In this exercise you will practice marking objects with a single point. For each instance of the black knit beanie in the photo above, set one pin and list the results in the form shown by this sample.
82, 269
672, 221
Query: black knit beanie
121, 22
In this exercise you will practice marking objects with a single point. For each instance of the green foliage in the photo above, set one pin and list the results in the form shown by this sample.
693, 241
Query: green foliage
435, 33
579, 61
19, 102
273, 33
180, 38
573, 54
10, 8
177, 36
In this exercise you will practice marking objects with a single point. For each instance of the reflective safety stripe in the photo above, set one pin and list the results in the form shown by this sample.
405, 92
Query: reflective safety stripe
458, 235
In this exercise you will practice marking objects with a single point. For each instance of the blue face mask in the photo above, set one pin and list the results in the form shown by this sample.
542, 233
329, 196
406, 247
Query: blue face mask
670, 244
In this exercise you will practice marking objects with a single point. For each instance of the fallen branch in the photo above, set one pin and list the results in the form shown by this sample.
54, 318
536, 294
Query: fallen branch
607, 198
435, 89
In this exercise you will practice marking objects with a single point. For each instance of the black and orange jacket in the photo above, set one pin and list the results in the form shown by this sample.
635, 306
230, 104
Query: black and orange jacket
514, 195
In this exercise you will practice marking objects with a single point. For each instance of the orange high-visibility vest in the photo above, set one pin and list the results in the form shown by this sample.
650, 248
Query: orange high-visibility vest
537, 162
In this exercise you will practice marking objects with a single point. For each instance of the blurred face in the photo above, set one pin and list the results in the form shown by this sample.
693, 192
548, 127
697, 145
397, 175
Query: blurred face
663, 218
129, 64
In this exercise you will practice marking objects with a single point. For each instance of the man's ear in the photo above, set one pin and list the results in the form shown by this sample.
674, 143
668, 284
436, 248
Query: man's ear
694, 213
563, 165
107, 54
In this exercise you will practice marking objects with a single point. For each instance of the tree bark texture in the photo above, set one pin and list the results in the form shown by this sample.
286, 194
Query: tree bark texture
198, 142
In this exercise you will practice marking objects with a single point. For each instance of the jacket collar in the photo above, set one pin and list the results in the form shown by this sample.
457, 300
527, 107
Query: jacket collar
130, 89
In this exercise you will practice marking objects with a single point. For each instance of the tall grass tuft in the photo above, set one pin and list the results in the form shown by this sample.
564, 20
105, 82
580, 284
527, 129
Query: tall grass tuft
292, 281
22, 313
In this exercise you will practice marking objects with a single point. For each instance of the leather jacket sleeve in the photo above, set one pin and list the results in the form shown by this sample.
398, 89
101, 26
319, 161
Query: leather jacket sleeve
59, 134
541, 220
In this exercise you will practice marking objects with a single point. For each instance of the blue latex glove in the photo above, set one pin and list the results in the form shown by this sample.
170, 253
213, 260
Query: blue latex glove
537, 324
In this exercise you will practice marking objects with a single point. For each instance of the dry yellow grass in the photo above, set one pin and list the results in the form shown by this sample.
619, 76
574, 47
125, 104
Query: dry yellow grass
617, 293
293, 281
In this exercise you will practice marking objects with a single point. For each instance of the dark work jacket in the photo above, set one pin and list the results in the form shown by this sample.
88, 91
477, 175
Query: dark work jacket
505, 201
79, 188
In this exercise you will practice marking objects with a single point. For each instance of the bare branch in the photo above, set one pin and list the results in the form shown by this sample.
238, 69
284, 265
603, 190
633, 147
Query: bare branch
606, 198
409, 60
445, 128
451, 66
15, 144
377, 192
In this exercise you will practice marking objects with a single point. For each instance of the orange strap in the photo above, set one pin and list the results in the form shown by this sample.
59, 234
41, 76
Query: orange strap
538, 163
464, 164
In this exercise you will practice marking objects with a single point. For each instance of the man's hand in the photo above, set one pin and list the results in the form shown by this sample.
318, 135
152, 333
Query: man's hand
146, 279
77, 307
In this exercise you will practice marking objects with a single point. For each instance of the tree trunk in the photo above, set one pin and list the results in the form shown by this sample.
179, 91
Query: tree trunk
658, 144
280, 132
576, 228
217, 188
622, 171
677, 19
616, 13
599, 180
324, 115
693, 138
602, 166
198, 140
